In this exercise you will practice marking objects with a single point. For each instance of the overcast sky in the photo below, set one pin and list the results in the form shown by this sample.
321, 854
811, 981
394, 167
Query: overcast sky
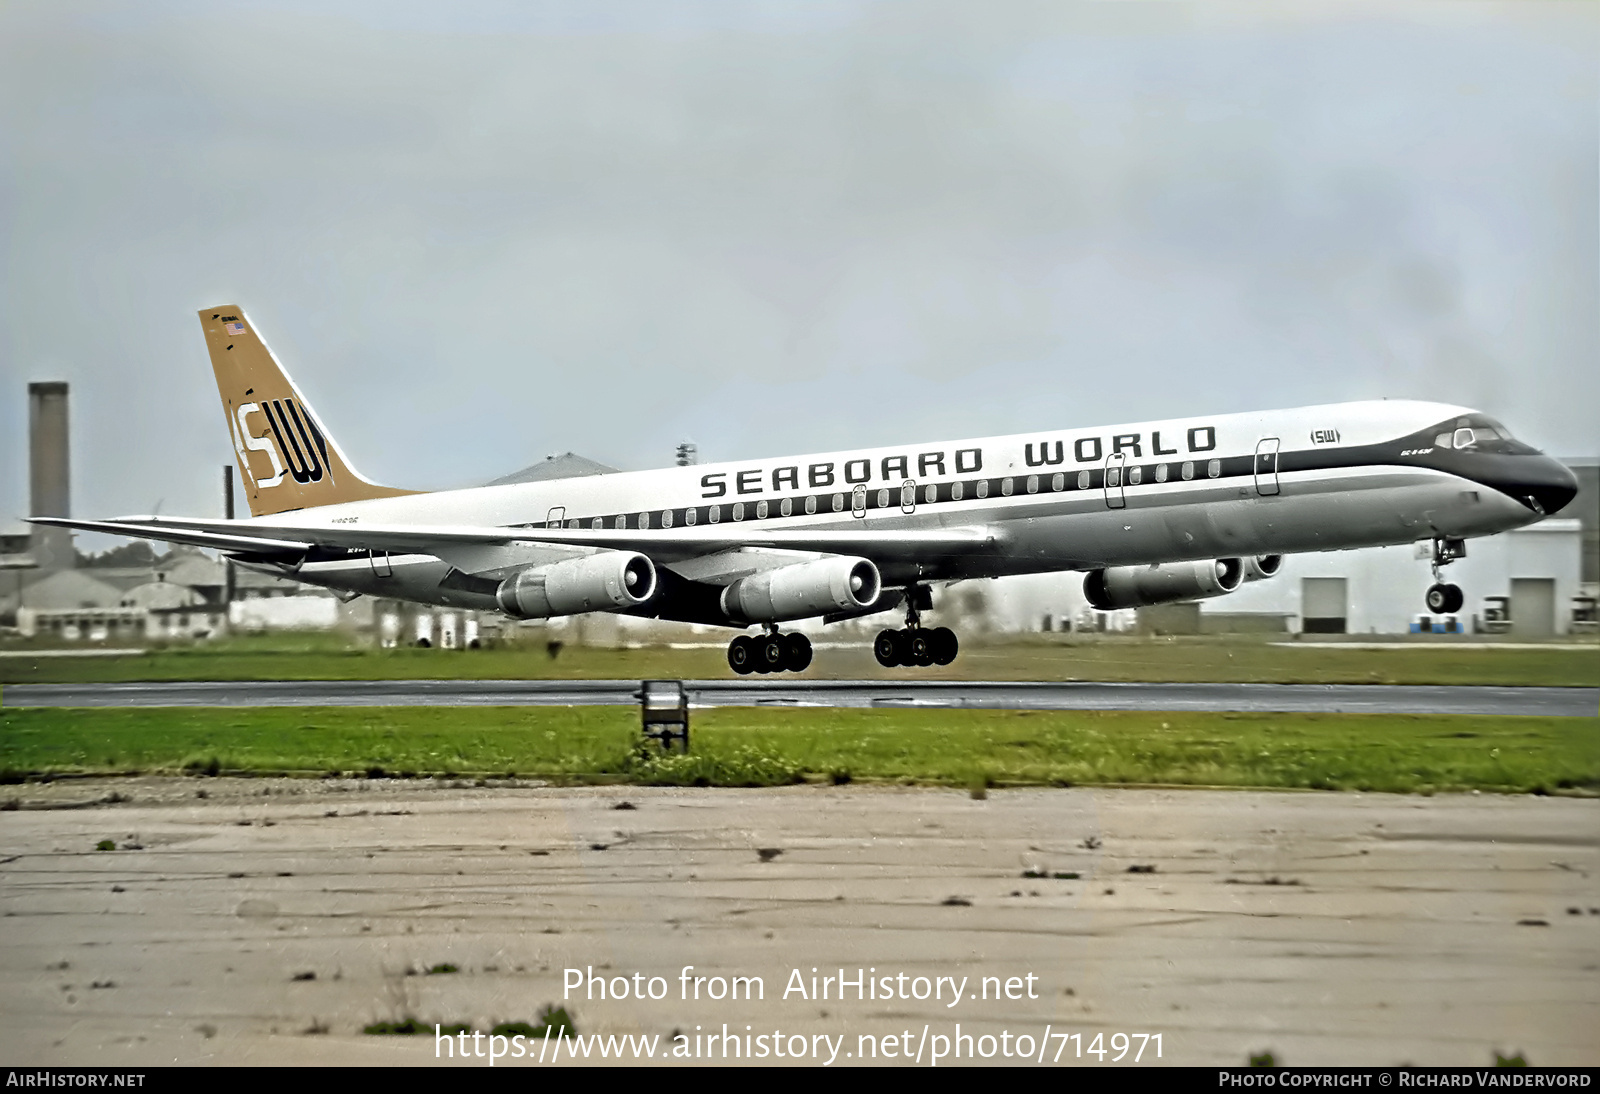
480, 233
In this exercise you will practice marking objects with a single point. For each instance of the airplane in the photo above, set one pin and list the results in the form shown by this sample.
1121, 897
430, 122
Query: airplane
1151, 513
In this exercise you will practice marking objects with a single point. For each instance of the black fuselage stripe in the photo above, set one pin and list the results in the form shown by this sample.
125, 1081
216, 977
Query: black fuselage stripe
1087, 480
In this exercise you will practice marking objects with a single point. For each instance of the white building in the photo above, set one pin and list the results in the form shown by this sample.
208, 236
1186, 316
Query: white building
1528, 578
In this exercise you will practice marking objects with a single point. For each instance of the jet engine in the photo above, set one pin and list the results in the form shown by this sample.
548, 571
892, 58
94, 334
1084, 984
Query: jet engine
804, 589
1262, 567
594, 583
1140, 586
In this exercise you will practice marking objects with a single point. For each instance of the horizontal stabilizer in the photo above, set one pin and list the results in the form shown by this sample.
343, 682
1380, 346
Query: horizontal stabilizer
217, 541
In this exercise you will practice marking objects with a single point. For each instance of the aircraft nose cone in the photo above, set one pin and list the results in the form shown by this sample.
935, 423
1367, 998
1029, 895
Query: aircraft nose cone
1549, 486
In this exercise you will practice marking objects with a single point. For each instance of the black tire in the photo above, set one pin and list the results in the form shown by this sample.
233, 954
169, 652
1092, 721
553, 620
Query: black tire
1438, 599
797, 652
886, 648
945, 645
771, 653
742, 655
1456, 599
919, 648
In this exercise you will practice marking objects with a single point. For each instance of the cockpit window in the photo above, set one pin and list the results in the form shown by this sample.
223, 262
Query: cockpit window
1476, 433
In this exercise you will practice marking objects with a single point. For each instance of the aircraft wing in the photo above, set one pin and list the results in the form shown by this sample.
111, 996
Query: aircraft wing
661, 544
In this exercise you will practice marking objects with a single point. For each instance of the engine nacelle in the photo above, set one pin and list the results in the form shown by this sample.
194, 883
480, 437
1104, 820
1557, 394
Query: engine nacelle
595, 583
1262, 567
804, 589
1141, 586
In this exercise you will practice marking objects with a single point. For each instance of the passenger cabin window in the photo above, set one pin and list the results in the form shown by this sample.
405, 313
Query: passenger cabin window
1188, 471
715, 513
1005, 486
1033, 484
1058, 481
666, 518
761, 509
930, 494
786, 506
738, 510
983, 488
622, 522
883, 499
1083, 480
644, 520
1161, 472
838, 503
691, 515
597, 523
811, 504
1213, 469
1135, 475
958, 491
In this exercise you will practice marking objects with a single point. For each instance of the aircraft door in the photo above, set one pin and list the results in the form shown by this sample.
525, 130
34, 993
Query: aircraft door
908, 497
1266, 466
557, 514
1116, 469
858, 502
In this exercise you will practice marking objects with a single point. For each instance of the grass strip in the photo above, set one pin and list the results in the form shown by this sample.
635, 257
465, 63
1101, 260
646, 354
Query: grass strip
1111, 659
760, 747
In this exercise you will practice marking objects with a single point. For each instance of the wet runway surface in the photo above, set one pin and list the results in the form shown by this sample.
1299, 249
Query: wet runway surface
978, 694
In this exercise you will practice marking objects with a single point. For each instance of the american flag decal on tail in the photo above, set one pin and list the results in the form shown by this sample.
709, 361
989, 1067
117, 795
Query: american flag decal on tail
233, 328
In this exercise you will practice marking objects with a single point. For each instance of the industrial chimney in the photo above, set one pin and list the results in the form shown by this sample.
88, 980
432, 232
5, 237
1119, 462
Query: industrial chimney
49, 473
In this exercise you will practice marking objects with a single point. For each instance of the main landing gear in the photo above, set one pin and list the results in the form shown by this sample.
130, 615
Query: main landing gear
916, 646
1444, 599
772, 652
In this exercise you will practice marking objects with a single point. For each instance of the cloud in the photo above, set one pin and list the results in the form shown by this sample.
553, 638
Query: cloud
483, 233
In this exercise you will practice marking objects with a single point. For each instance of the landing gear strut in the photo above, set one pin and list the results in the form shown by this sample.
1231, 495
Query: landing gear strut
916, 646
770, 652
1444, 599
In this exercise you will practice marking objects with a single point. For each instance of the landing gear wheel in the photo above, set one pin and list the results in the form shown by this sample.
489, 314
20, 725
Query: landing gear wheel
797, 652
1445, 599
945, 645
742, 655
771, 652
919, 648
886, 648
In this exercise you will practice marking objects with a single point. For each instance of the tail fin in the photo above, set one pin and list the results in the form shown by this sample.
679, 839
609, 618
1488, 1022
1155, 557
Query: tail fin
286, 458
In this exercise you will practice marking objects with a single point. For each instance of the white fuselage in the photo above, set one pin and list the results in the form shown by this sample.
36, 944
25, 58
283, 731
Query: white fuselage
1311, 479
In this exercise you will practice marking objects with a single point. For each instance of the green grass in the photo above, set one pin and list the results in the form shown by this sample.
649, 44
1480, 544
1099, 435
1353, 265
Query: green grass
1108, 658
759, 747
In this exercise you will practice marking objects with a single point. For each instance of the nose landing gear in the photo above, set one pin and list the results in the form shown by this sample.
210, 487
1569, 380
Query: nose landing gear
771, 652
1442, 598
916, 646
1445, 599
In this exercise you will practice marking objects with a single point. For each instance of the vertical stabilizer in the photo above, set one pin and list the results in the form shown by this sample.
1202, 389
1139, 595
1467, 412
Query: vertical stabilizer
287, 460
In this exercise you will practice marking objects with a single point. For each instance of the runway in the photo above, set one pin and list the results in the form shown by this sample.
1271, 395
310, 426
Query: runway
272, 920
977, 694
